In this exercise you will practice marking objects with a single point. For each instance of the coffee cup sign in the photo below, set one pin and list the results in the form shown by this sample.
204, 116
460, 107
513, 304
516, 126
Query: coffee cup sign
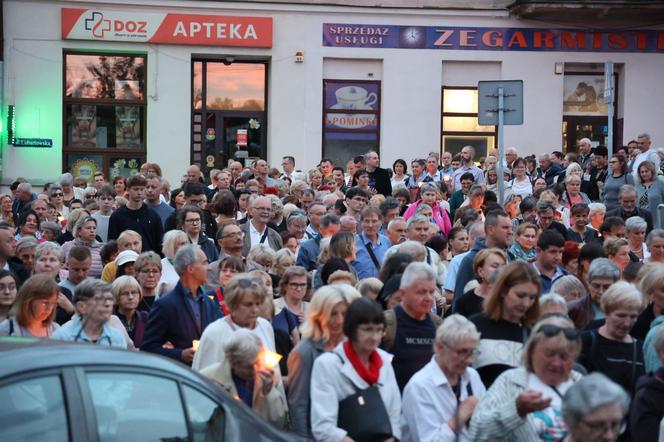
355, 97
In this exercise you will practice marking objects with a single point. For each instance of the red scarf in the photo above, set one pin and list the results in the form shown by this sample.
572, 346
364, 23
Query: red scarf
371, 374
222, 302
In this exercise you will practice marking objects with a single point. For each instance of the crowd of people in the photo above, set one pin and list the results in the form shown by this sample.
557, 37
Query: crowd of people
355, 302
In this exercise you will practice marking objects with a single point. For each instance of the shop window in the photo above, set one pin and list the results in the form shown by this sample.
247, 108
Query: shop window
459, 123
104, 113
351, 118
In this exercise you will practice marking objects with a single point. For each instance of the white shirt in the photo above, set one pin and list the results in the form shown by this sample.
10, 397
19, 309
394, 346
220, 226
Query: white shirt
452, 269
650, 155
522, 188
429, 402
255, 234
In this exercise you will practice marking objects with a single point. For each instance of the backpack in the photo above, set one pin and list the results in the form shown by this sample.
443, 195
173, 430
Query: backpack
391, 328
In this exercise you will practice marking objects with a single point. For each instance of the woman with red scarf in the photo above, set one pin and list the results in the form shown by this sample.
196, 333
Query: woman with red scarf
353, 367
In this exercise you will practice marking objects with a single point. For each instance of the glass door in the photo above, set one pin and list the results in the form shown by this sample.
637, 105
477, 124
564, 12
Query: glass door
229, 117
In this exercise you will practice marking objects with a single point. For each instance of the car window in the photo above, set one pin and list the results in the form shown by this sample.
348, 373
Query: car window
33, 410
131, 406
205, 415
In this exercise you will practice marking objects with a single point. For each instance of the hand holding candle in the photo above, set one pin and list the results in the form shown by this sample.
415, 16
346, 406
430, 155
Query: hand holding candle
271, 359
194, 344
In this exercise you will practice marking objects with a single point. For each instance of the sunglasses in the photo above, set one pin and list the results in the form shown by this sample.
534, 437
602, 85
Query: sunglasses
550, 330
245, 283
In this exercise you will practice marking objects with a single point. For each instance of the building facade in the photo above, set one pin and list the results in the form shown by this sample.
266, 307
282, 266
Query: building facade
110, 85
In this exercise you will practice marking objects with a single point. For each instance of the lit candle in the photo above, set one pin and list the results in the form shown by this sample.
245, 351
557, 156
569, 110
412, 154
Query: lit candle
194, 344
271, 359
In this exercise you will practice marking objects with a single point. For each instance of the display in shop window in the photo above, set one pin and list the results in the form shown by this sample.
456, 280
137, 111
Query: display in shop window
84, 126
583, 95
351, 96
128, 127
125, 167
84, 166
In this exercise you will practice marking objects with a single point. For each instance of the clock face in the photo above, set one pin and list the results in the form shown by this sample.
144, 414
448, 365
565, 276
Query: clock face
412, 37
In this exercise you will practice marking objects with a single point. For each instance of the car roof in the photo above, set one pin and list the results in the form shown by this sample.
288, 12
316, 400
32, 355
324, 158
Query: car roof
20, 355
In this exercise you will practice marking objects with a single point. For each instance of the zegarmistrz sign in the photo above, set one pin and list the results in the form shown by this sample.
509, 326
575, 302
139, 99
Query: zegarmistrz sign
490, 39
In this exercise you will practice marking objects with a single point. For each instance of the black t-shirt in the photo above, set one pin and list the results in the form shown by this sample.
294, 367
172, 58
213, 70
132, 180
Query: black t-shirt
617, 360
499, 348
146, 303
469, 304
413, 345
642, 325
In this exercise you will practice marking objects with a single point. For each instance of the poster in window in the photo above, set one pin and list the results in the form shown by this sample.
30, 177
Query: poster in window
584, 95
127, 90
351, 96
84, 126
128, 127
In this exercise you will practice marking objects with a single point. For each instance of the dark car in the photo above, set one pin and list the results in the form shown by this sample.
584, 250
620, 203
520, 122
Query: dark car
52, 391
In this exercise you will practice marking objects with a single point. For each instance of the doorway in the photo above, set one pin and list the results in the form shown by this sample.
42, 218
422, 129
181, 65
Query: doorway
229, 118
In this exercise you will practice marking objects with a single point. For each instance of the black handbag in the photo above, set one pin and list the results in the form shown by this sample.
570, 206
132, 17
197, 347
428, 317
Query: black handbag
363, 415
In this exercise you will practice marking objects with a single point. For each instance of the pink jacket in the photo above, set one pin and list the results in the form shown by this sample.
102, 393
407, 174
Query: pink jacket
440, 216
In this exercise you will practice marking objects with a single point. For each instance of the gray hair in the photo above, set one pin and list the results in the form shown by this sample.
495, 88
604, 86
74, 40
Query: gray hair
429, 187
476, 230
589, 393
88, 288
415, 249
596, 207
329, 218
66, 179
456, 328
635, 222
417, 219
80, 222
422, 207
242, 346
26, 242
298, 185
553, 299
603, 268
49, 247
24, 187
621, 294
643, 135
626, 188
296, 215
655, 233
170, 238
568, 285
186, 256
416, 271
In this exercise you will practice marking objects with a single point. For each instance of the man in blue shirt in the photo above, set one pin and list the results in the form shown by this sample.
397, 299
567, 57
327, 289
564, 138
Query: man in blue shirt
307, 255
94, 306
549, 250
370, 245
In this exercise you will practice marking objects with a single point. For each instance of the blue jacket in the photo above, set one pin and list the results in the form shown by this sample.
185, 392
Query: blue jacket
172, 320
307, 256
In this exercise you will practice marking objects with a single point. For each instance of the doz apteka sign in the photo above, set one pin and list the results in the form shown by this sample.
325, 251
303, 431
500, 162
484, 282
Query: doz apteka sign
167, 28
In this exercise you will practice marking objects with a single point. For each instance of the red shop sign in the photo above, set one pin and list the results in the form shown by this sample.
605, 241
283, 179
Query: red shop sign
167, 28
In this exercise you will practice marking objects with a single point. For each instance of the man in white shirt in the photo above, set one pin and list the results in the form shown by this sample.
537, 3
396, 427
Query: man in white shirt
256, 230
439, 400
643, 143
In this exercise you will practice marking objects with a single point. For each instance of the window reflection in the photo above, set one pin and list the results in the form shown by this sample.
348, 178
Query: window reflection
239, 86
105, 77
198, 85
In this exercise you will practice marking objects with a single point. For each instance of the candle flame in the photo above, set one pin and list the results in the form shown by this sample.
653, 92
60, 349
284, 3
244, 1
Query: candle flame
271, 359
194, 344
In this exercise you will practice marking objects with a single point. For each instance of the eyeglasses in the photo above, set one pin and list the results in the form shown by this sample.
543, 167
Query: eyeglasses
263, 209
150, 271
602, 287
297, 285
616, 426
57, 194
230, 235
550, 330
103, 298
464, 353
47, 304
245, 283
193, 221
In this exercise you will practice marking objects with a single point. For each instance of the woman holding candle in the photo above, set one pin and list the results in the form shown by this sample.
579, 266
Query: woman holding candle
247, 373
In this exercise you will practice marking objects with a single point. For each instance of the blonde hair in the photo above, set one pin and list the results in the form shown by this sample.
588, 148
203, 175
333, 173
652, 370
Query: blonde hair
572, 347
621, 294
279, 262
369, 284
342, 275
241, 285
320, 309
123, 283
651, 277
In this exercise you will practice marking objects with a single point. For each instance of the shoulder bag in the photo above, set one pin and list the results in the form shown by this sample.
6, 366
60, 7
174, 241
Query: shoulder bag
363, 415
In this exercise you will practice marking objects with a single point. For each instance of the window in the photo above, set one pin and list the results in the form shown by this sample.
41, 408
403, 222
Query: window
459, 123
205, 416
130, 406
351, 118
33, 410
104, 113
